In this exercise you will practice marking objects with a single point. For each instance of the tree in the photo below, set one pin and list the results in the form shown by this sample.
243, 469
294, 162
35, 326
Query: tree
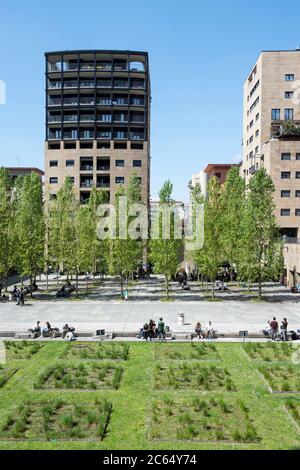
233, 207
29, 226
210, 257
262, 247
62, 229
6, 226
165, 249
125, 252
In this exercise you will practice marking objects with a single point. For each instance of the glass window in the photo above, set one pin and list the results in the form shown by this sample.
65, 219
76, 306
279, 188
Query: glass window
289, 95
286, 156
297, 193
297, 156
120, 179
289, 77
297, 212
285, 193
275, 114
285, 212
137, 163
70, 163
53, 180
297, 175
53, 163
120, 163
288, 114
285, 175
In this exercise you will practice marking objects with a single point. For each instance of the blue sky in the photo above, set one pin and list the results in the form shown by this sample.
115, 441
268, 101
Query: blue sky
200, 54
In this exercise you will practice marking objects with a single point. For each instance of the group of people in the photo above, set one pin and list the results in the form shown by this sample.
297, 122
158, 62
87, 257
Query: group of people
276, 332
208, 333
68, 332
151, 330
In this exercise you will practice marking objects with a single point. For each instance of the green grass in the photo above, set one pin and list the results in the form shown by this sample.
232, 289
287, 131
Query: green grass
139, 416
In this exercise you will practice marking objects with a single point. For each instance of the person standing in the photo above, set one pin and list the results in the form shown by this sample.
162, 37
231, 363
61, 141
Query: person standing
161, 330
284, 327
274, 328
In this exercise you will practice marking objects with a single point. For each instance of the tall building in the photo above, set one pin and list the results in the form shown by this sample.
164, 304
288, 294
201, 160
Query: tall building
271, 139
218, 170
97, 120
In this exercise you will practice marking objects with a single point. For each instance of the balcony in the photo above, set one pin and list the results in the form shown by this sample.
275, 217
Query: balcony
103, 164
104, 65
120, 102
70, 118
103, 83
54, 135
54, 85
87, 84
86, 164
137, 67
137, 118
53, 119
285, 129
120, 66
137, 101
137, 136
104, 118
70, 84
86, 134
72, 135
120, 135
54, 101
121, 118
87, 66
87, 118
103, 181
137, 84
87, 101
70, 101
86, 181
120, 83
104, 101
104, 135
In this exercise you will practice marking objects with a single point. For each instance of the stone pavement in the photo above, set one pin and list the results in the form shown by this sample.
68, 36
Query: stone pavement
87, 316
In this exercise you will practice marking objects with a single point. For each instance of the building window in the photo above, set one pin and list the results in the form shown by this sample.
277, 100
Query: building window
257, 133
275, 114
285, 175
53, 163
285, 212
289, 95
120, 163
120, 179
297, 156
285, 193
72, 179
297, 193
53, 180
297, 212
288, 114
53, 197
251, 124
137, 163
251, 139
70, 163
257, 117
289, 77
298, 175
286, 156
256, 150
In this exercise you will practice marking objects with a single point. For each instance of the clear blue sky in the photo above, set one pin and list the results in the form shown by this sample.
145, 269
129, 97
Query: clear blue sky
200, 53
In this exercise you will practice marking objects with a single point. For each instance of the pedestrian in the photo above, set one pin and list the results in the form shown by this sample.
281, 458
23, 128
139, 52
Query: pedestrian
209, 330
161, 330
284, 327
274, 328
22, 298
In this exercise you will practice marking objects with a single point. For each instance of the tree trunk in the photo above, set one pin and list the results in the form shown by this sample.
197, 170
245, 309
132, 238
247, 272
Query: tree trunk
122, 285
86, 284
213, 290
47, 280
167, 286
76, 283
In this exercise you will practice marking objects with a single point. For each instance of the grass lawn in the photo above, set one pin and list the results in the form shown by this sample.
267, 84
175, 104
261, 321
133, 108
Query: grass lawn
148, 396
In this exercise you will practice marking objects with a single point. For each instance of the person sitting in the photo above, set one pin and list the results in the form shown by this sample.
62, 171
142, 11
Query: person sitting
198, 330
67, 329
36, 330
70, 336
209, 330
145, 331
161, 330
151, 330
267, 330
47, 331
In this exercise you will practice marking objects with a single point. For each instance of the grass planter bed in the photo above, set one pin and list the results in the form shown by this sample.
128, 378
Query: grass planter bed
269, 352
193, 376
97, 351
191, 351
5, 374
21, 349
58, 421
199, 420
91, 376
293, 409
282, 379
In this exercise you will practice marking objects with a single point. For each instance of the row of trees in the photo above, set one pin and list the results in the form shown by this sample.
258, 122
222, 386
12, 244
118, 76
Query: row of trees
239, 229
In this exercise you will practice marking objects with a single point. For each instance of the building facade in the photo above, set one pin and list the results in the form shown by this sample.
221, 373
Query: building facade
97, 121
217, 170
271, 139
15, 172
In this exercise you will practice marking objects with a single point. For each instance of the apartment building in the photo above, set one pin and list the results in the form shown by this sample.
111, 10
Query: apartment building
97, 121
218, 170
15, 172
271, 139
